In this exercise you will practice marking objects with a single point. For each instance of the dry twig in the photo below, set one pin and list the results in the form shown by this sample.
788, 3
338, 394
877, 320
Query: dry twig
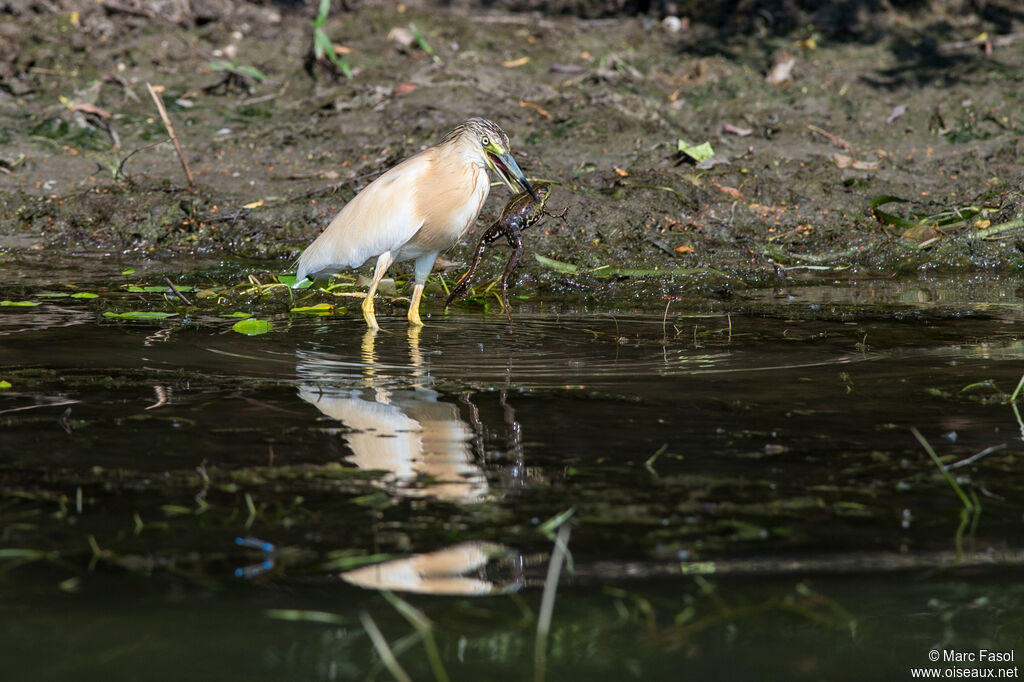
174, 138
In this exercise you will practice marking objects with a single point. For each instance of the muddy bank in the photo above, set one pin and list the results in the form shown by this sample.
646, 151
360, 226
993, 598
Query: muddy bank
890, 148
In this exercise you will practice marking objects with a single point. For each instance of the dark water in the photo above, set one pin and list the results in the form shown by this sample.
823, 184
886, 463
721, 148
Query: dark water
747, 497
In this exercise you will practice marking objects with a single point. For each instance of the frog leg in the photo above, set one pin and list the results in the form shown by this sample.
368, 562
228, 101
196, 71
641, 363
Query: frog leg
515, 240
464, 281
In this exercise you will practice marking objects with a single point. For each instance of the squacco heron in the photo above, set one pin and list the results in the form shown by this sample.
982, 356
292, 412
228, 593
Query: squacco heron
416, 210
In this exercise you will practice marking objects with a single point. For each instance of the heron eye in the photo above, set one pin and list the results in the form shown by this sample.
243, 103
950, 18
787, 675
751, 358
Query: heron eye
485, 141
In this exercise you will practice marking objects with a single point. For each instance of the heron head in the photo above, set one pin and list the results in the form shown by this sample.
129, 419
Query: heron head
493, 144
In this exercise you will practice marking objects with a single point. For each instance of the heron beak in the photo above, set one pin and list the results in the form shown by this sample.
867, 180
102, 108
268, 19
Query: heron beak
509, 172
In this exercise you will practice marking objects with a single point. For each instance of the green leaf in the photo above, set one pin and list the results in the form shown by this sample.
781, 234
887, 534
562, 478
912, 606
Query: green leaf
321, 44
128, 271
340, 63
423, 44
322, 11
155, 289
252, 327
556, 264
238, 314
290, 281
52, 295
219, 65
19, 304
885, 199
84, 294
318, 309
251, 72
4, 384
699, 152
139, 315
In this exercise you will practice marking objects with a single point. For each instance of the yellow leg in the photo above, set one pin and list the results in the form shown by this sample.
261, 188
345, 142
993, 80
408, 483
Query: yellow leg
383, 263
414, 306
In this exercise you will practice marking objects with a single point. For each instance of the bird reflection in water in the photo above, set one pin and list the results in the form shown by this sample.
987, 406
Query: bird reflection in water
396, 423
401, 427
466, 569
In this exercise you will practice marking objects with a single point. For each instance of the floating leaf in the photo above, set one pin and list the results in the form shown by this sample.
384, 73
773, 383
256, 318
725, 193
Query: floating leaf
699, 152
290, 281
85, 294
139, 315
4, 384
318, 309
556, 264
53, 295
19, 304
155, 289
128, 271
238, 314
251, 327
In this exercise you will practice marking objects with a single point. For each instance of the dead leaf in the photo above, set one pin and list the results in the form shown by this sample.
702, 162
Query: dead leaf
535, 107
845, 161
622, 173
733, 130
254, 204
404, 88
921, 233
342, 49
782, 68
513, 63
685, 248
87, 108
832, 137
716, 160
731, 191
568, 68
402, 36
896, 113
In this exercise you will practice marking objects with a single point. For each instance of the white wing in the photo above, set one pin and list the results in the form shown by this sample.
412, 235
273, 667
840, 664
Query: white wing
380, 218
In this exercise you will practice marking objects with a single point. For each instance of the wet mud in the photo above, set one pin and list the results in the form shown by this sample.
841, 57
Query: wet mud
902, 105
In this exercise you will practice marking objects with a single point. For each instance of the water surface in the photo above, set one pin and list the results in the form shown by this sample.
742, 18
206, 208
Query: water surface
747, 496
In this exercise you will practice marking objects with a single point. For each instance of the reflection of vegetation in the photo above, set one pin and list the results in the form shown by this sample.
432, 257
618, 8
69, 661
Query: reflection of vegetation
971, 505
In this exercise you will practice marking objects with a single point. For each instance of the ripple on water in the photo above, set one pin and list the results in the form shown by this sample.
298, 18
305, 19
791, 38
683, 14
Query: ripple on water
557, 352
